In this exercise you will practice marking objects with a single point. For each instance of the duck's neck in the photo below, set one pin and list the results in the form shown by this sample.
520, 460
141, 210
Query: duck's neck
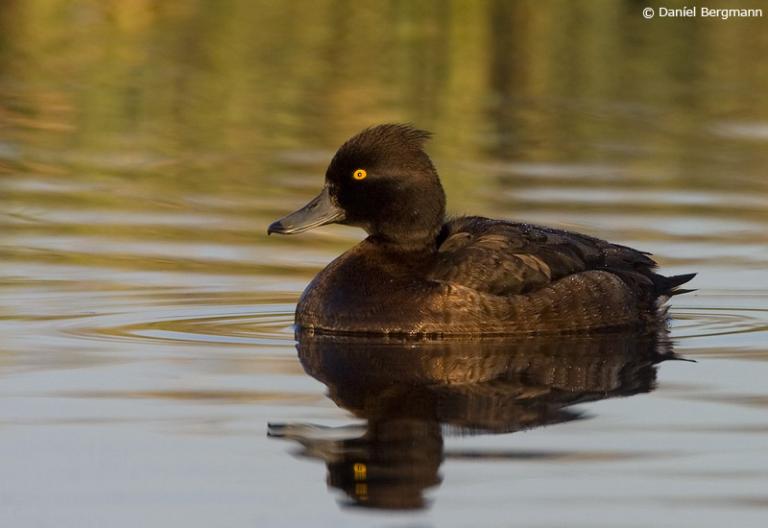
411, 226
407, 241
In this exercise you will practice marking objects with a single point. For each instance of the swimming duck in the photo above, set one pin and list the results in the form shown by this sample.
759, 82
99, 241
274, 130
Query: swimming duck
420, 273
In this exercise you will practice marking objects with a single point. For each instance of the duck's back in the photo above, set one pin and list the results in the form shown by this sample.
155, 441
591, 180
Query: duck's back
506, 258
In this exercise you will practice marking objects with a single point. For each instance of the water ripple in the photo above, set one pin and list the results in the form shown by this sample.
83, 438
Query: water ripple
707, 322
236, 325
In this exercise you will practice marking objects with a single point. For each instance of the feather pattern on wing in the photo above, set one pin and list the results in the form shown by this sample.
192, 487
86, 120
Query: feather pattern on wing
505, 258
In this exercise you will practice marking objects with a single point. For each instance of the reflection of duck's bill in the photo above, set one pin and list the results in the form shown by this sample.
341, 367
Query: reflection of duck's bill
320, 211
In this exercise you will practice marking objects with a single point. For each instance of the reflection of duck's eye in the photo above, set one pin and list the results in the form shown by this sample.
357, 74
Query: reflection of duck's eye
359, 174
360, 470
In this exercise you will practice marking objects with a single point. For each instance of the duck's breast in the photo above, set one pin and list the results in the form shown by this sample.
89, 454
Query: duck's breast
358, 293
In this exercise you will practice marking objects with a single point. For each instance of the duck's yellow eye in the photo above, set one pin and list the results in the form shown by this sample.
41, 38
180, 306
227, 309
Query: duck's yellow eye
359, 174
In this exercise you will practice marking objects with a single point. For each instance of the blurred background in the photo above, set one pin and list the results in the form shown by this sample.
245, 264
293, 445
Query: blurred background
146, 317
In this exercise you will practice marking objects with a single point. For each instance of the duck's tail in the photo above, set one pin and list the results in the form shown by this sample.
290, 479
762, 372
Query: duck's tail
668, 286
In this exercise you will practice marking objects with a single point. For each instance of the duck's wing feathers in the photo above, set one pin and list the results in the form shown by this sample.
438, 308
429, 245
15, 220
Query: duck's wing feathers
505, 258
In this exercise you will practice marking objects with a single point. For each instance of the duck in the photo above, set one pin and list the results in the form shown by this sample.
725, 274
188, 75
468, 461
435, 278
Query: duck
422, 273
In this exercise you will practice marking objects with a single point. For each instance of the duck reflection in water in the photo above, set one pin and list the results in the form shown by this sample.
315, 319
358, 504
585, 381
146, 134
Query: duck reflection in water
412, 393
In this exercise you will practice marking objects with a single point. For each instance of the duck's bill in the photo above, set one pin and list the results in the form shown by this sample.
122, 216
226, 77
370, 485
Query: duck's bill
320, 211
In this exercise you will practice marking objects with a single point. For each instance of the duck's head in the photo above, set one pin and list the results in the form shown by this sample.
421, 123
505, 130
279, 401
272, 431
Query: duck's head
380, 180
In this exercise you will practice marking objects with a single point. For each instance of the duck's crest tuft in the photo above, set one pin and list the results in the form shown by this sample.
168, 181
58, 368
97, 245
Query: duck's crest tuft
390, 135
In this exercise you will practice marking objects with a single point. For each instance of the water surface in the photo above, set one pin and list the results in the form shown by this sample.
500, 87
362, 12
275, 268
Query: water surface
148, 369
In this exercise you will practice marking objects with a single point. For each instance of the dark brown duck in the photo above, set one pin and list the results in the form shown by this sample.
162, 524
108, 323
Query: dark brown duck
420, 273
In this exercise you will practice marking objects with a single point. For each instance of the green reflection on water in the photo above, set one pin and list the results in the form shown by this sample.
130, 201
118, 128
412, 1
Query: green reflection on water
132, 125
